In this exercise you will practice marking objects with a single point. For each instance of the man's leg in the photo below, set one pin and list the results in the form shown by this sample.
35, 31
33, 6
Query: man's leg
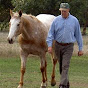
67, 53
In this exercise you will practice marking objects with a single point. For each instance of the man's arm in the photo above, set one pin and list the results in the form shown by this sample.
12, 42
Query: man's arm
50, 38
79, 39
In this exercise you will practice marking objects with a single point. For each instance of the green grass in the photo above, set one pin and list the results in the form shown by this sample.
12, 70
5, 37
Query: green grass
79, 72
10, 72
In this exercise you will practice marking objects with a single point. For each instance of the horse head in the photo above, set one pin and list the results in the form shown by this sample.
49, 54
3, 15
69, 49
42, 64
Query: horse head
14, 26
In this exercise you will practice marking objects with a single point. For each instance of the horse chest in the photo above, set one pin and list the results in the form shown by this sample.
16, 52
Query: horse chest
33, 48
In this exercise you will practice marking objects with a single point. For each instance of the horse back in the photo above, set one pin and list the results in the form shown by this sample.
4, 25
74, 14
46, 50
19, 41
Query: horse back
46, 19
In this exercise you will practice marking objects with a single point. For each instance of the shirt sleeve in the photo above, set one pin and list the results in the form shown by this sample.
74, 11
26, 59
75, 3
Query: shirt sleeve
51, 35
78, 35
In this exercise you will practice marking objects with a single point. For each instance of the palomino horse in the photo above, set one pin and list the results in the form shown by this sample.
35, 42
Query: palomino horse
32, 33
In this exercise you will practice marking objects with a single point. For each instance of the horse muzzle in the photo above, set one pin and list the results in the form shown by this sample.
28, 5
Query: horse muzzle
10, 41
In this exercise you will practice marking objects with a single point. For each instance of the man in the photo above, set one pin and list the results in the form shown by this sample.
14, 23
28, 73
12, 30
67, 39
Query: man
65, 30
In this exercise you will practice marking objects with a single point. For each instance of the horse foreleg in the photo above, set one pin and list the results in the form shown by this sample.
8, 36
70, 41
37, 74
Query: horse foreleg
43, 71
21, 78
23, 67
53, 82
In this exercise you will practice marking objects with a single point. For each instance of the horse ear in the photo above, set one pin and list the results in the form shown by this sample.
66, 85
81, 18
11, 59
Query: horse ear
20, 13
11, 13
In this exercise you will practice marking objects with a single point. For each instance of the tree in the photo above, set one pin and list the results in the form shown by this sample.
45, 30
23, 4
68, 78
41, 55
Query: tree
80, 10
5, 5
36, 6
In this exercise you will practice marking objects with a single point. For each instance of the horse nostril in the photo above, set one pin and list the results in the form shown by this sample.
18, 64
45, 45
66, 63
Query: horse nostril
10, 41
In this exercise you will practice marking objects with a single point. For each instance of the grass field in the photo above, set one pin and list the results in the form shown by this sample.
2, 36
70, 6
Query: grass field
10, 67
10, 72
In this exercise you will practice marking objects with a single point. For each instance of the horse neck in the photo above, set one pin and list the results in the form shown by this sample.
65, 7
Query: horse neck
27, 30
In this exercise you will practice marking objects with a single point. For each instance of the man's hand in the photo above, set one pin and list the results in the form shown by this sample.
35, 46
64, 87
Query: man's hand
50, 50
80, 53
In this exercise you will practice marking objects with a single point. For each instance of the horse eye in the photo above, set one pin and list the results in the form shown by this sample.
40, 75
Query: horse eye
18, 24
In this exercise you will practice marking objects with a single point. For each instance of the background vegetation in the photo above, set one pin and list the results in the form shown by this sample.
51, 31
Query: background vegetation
79, 8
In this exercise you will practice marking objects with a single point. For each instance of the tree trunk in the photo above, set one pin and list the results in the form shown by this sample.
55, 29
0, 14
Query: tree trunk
84, 29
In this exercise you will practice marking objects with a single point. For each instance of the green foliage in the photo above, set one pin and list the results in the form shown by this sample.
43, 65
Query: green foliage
79, 8
4, 26
5, 6
36, 6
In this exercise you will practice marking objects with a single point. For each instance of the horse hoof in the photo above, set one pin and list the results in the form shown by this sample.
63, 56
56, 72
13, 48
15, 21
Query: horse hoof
19, 86
53, 83
42, 86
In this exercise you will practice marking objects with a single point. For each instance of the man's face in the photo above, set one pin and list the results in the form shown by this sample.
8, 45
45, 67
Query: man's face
65, 13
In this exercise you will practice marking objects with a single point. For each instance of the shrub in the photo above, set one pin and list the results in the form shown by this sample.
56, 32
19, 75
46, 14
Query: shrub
4, 26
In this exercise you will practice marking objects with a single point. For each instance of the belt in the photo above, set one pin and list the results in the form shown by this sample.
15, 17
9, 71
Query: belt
63, 44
